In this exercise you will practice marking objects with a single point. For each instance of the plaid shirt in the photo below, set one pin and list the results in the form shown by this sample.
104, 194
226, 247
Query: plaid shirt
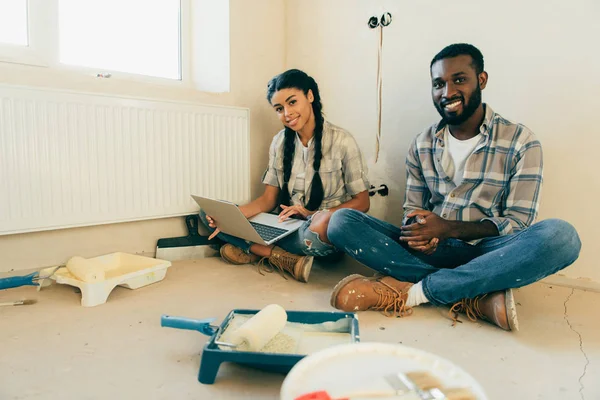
502, 178
343, 170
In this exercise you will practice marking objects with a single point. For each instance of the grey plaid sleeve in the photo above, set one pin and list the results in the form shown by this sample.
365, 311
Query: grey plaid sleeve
355, 168
270, 175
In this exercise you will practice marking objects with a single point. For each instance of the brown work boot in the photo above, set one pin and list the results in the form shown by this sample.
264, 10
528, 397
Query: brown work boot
298, 266
359, 293
497, 308
237, 256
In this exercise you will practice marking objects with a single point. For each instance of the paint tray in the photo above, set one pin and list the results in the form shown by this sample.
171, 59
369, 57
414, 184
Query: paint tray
122, 269
217, 351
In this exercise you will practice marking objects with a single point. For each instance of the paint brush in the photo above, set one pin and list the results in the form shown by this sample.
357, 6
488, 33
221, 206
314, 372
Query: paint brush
19, 303
409, 386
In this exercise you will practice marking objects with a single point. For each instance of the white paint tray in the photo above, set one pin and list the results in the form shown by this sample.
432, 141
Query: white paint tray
122, 269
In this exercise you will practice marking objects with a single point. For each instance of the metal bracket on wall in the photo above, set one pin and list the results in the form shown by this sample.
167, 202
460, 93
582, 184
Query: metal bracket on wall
385, 20
382, 190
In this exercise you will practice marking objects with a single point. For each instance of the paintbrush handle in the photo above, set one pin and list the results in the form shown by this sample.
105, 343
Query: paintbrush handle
16, 281
12, 303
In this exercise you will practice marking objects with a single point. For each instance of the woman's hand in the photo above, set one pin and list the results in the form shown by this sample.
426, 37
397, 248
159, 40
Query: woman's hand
288, 211
213, 225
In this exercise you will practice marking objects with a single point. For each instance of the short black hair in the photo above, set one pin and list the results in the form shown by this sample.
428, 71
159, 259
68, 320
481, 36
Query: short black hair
460, 49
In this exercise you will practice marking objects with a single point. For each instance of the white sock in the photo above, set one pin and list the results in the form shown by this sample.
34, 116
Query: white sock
416, 295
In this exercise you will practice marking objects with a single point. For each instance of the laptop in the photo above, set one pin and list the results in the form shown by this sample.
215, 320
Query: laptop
263, 228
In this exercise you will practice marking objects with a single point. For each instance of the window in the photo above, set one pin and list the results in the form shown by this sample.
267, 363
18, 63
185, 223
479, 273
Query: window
137, 37
130, 39
13, 22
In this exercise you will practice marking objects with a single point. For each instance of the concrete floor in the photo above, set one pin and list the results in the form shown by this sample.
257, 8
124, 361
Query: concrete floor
57, 349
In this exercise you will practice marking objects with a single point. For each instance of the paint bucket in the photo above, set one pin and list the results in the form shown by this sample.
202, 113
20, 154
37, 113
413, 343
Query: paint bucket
334, 368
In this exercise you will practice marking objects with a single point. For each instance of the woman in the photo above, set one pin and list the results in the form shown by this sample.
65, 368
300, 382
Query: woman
314, 169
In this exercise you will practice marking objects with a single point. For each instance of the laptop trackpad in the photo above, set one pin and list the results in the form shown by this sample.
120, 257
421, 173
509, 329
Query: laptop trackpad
273, 220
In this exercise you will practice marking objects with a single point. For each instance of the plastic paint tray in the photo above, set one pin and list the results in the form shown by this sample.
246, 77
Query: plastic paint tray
122, 269
213, 356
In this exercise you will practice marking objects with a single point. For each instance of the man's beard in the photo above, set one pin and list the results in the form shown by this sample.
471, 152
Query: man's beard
468, 111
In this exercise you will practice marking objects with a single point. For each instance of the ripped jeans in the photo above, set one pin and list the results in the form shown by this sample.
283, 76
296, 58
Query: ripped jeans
302, 242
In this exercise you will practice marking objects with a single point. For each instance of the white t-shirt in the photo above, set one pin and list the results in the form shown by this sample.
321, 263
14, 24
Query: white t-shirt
300, 184
459, 151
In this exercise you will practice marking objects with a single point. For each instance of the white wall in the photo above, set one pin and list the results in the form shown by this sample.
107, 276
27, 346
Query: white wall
257, 53
543, 61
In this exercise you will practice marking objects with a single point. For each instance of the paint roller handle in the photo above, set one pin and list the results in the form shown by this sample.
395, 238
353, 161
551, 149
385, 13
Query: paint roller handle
201, 325
16, 281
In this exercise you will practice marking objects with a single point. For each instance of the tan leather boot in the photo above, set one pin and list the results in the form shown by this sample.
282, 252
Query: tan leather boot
359, 293
298, 266
237, 256
497, 308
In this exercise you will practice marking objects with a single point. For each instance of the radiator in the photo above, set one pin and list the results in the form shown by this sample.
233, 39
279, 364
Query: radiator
73, 159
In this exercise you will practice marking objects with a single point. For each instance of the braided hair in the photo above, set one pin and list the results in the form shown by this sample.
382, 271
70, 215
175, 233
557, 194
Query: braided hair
297, 79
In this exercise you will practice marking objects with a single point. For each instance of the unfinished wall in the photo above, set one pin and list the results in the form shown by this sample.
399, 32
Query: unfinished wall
541, 57
257, 53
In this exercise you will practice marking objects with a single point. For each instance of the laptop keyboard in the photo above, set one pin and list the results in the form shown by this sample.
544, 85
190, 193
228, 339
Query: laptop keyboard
267, 232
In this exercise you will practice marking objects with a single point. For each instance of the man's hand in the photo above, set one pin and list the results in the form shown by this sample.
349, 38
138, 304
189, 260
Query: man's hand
288, 211
429, 227
426, 247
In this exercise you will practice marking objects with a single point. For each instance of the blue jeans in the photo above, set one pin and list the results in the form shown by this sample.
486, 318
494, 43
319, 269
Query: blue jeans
302, 242
457, 269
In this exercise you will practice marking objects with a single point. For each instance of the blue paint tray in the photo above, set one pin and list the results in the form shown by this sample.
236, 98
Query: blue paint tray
216, 352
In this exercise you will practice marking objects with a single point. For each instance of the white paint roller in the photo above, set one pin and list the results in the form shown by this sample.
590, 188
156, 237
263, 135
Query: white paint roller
86, 270
261, 328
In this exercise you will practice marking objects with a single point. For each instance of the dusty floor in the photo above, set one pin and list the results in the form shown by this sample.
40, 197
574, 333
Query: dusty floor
57, 349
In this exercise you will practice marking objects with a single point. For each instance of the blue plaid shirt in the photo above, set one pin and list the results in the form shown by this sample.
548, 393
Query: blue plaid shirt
502, 178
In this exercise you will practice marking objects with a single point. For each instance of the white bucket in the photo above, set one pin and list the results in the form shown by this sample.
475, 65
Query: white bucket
336, 368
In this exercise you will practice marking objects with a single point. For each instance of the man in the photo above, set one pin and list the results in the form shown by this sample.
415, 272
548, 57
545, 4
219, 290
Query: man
472, 195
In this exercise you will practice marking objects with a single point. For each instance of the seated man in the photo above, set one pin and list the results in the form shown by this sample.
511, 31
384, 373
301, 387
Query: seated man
472, 195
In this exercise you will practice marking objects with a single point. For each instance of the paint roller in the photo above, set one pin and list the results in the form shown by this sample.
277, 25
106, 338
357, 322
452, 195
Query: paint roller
260, 329
83, 269
86, 270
